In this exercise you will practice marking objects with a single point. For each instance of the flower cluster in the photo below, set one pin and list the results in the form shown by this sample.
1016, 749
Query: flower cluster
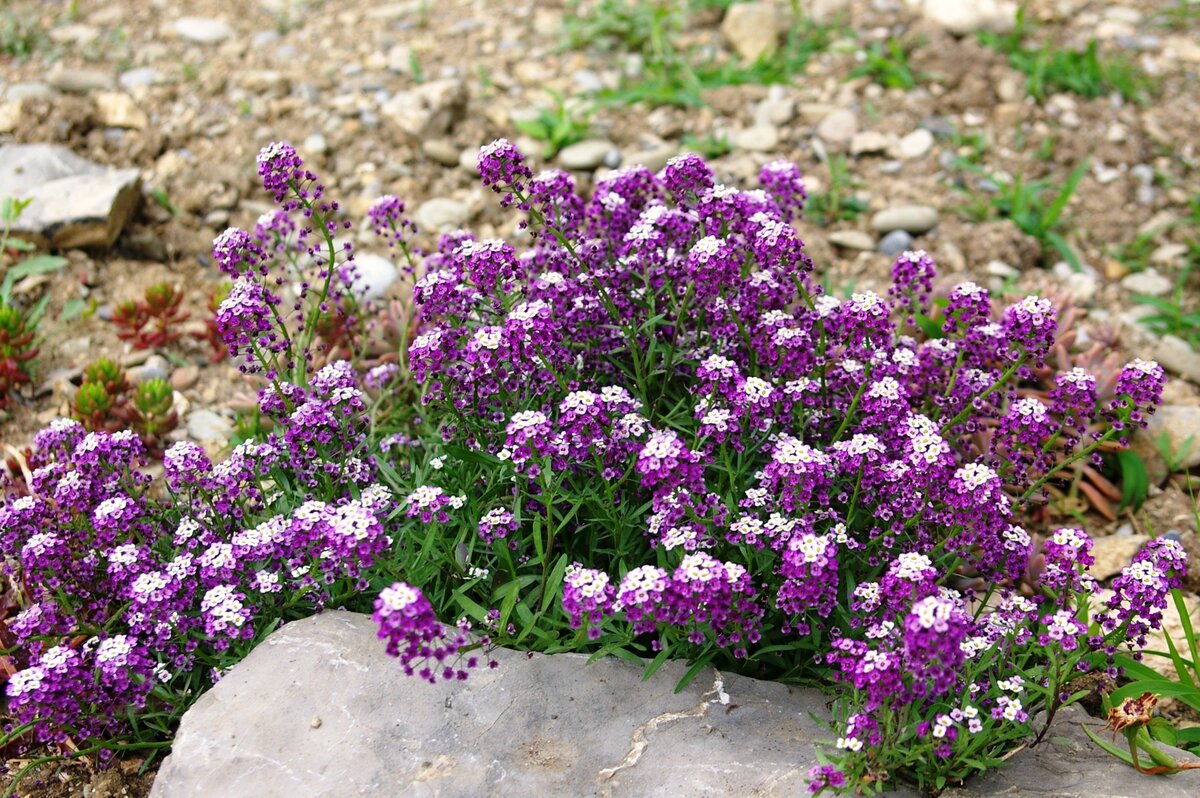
126, 596
659, 392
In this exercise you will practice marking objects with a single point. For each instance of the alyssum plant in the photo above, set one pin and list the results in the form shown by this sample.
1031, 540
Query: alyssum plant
652, 417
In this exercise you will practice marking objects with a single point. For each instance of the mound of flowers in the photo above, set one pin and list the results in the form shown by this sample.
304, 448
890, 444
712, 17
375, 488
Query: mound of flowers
647, 431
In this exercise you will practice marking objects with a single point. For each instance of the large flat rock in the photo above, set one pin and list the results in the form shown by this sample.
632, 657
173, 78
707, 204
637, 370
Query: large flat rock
76, 203
319, 710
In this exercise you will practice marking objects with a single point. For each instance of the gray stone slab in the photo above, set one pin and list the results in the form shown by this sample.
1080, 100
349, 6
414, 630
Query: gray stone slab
76, 203
320, 710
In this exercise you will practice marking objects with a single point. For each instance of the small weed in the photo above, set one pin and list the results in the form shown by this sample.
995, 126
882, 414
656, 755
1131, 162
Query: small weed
160, 197
1035, 207
970, 147
20, 36
887, 65
672, 76
557, 126
1049, 69
838, 203
1135, 253
1180, 15
1174, 315
712, 145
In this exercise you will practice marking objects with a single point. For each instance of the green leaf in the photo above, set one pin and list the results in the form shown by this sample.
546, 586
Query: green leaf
553, 582
42, 264
468, 456
1135, 482
694, 671
1120, 753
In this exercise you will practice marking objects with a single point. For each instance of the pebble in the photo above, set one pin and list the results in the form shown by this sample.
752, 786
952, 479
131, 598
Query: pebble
185, 377
998, 268
400, 59
895, 242
1148, 282
202, 30
1177, 355
655, 158
139, 78
1169, 254
207, 426
868, 142
1112, 553
751, 29
117, 109
940, 126
758, 138
441, 214
155, 367
915, 219
961, 17
586, 155
441, 152
18, 92
852, 239
1081, 286
838, 127
914, 145
778, 109
373, 276
1178, 423
78, 81
315, 144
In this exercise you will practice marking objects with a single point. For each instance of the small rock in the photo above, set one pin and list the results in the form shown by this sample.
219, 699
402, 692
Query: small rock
441, 152
139, 78
78, 81
838, 127
10, 116
1169, 255
825, 11
961, 17
1080, 286
655, 158
852, 239
74, 34
585, 156
1148, 282
1178, 423
441, 214
998, 268
751, 29
184, 378
914, 145
155, 367
373, 275
868, 142
1177, 355
18, 92
775, 111
895, 242
75, 203
118, 109
315, 144
207, 426
427, 111
915, 219
759, 138
202, 30
1113, 553
400, 59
